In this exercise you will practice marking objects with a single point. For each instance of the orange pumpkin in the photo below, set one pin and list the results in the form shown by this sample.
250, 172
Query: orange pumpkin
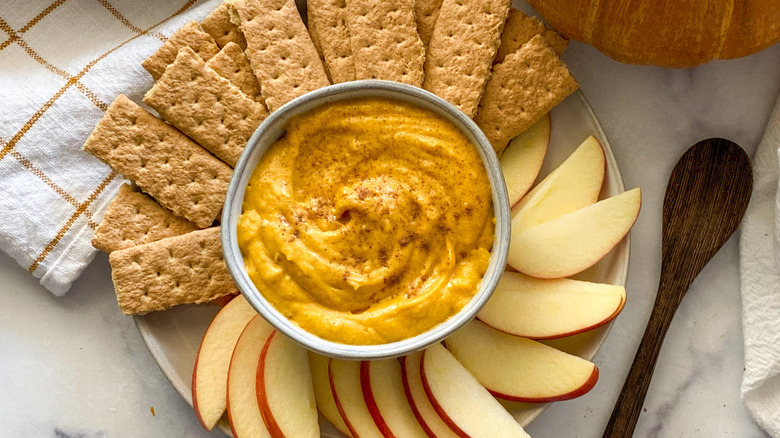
669, 33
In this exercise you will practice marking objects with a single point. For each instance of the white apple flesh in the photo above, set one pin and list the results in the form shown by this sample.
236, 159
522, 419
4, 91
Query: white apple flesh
383, 391
574, 184
461, 401
519, 369
348, 394
426, 415
284, 389
323, 394
209, 375
244, 415
523, 157
549, 309
574, 242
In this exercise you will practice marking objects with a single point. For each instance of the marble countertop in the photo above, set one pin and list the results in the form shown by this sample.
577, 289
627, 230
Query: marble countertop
76, 367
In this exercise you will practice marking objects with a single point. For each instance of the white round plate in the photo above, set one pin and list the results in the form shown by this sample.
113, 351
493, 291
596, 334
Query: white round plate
173, 336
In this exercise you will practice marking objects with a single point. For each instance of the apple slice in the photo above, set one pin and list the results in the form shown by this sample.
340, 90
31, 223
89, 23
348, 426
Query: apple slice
523, 157
383, 391
348, 394
572, 243
575, 184
426, 415
323, 395
209, 375
520, 369
459, 399
284, 389
548, 309
244, 415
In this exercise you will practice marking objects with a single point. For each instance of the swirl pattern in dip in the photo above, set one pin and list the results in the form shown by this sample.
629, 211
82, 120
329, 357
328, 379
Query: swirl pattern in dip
369, 222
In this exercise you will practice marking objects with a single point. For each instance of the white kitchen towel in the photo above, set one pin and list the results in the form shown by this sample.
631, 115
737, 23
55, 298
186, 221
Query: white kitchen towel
61, 63
760, 276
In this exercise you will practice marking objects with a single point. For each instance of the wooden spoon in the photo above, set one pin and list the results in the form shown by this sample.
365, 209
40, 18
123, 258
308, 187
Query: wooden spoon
705, 200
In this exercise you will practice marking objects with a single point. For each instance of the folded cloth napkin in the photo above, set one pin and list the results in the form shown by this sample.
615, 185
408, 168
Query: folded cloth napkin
61, 63
760, 276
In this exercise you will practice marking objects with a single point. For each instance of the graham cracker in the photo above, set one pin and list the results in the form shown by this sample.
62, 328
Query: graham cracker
189, 35
425, 13
218, 25
462, 48
186, 269
134, 219
384, 40
205, 106
330, 35
520, 28
523, 88
232, 64
279, 49
182, 176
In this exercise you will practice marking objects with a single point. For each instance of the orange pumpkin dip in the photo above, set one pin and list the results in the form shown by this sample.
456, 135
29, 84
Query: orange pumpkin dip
369, 222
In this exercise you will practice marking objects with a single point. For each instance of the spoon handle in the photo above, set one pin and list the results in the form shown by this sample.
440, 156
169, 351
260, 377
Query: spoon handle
629, 403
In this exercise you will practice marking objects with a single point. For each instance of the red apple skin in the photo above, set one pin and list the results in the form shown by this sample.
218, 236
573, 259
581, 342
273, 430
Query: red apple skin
338, 403
195, 392
368, 396
619, 309
564, 335
337, 416
230, 421
262, 400
408, 392
436, 406
221, 302
229, 410
582, 390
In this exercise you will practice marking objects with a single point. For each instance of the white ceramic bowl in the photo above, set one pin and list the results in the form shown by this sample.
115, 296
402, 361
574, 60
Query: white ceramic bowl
273, 128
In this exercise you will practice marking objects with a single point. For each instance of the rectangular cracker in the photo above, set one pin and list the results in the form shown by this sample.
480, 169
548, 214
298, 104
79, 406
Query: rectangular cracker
182, 176
384, 40
232, 64
462, 48
189, 35
205, 106
279, 49
134, 218
329, 33
425, 13
523, 88
218, 25
520, 28
184, 269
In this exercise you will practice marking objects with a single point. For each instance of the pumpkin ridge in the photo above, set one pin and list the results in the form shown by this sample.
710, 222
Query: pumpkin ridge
724, 28
590, 21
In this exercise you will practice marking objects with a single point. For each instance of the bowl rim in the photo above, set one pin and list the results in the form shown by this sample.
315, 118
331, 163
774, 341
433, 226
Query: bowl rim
272, 128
